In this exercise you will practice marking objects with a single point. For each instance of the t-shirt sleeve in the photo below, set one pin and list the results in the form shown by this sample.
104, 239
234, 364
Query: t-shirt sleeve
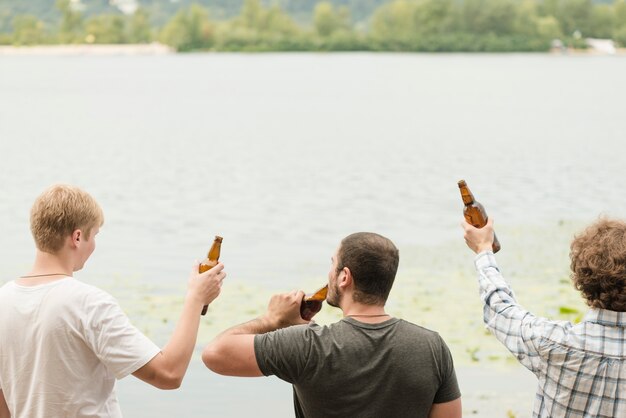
121, 347
449, 387
284, 352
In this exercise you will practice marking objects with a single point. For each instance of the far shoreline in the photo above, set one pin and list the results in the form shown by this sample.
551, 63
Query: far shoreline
88, 49
156, 48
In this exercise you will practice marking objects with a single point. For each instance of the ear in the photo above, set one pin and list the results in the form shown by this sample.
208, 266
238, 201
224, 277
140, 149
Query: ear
77, 237
345, 280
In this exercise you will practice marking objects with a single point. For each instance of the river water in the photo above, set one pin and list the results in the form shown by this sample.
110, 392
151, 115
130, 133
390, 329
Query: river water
284, 154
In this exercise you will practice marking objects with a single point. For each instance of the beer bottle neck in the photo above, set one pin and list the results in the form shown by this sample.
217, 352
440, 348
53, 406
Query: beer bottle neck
466, 195
214, 252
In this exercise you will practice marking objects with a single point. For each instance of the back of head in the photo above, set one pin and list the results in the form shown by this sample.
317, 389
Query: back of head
373, 261
59, 211
598, 263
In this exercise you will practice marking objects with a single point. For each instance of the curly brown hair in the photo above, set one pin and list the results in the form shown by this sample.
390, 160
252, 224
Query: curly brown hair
598, 263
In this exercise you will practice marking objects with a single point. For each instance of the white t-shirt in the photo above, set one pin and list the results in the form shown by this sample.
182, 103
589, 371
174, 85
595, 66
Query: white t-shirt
62, 345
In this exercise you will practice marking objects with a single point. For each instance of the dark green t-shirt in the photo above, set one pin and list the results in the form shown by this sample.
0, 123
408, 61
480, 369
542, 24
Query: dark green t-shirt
353, 369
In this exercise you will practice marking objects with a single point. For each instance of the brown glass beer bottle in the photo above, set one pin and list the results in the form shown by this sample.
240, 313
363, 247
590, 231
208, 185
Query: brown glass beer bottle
312, 303
211, 261
474, 212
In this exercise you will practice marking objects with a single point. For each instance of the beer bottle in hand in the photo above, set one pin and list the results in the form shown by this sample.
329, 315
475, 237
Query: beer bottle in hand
211, 261
312, 303
474, 212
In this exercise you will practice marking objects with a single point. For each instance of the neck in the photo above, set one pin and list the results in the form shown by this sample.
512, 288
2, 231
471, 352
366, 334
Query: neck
48, 267
366, 313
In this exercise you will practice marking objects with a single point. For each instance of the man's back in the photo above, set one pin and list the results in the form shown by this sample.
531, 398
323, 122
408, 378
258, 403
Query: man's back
350, 368
581, 367
60, 349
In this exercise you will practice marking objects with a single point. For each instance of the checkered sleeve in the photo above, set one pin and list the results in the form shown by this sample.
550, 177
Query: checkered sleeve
519, 330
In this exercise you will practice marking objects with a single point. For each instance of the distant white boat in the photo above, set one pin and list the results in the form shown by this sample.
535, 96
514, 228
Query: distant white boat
603, 46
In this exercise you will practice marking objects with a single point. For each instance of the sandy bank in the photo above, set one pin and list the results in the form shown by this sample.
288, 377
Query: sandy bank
87, 49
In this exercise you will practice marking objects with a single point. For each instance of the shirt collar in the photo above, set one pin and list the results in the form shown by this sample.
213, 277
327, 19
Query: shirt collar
606, 317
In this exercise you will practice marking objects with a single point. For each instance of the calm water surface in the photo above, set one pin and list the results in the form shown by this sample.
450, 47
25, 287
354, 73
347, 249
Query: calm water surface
283, 155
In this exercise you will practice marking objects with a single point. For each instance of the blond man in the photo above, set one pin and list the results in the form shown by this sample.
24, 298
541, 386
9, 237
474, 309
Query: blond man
63, 343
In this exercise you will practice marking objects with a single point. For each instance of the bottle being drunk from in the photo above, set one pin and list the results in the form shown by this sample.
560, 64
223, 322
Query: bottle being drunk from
211, 261
474, 212
312, 303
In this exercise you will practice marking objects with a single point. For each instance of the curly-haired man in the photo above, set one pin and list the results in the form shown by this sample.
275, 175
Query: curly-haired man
581, 368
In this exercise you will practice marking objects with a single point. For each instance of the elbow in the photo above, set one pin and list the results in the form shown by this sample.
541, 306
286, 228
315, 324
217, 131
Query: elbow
213, 358
171, 383
174, 383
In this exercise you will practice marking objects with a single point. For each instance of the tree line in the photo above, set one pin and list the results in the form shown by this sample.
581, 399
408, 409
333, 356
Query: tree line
398, 25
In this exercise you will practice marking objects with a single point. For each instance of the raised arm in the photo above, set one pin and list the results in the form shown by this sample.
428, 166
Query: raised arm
232, 352
167, 369
518, 329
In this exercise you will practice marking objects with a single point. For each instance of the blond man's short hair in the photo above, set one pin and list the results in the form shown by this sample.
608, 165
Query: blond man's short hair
58, 212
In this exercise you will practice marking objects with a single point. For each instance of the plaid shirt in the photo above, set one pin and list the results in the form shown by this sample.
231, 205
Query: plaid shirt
581, 368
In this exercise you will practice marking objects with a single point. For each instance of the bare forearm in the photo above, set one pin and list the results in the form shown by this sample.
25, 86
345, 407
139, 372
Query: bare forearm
259, 325
178, 351
231, 353
4, 409
168, 368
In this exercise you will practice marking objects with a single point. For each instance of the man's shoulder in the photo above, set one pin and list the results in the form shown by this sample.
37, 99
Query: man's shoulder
69, 288
77, 290
399, 327
82, 287
412, 329
6, 285
305, 332
5, 289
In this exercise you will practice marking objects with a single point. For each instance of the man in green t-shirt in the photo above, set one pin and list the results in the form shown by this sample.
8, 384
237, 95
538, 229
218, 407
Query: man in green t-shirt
368, 364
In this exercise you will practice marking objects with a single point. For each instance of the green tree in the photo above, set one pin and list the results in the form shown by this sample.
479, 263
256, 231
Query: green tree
328, 20
190, 29
435, 16
275, 21
527, 19
27, 30
619, 35
71, 29
259, 20
258, 28
140, 29
575, 15
394, 21
489, 16
252, 14
549, 28
106, 29
548, 7
619, 8
619, 30
601, 22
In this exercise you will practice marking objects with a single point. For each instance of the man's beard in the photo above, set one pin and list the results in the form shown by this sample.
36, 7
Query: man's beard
333, 297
